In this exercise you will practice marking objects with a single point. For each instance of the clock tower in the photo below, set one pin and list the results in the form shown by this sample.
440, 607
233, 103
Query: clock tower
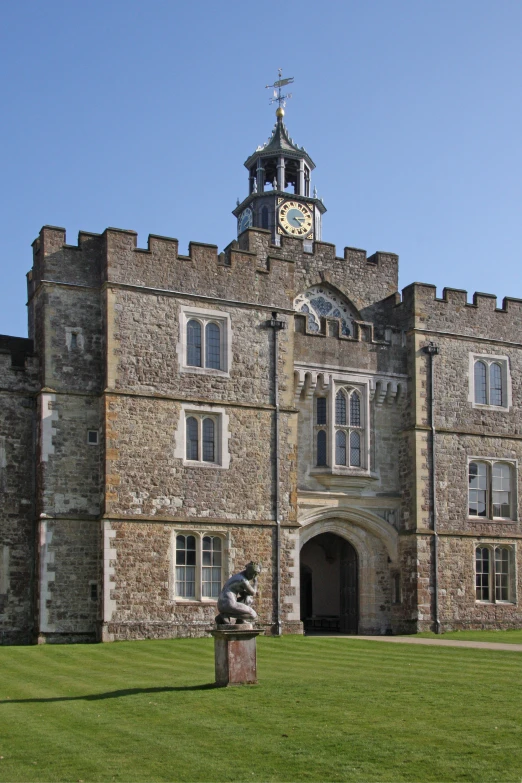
279, 197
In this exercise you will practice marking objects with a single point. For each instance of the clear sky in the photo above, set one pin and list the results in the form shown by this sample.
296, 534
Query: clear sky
140, 115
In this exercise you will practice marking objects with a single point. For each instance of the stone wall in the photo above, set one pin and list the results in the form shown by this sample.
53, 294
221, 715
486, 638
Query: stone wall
143, 603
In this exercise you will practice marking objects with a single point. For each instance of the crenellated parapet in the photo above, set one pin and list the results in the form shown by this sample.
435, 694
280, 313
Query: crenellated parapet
250, 269
452, 313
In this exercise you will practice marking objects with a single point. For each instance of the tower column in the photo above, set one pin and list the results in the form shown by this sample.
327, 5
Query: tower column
281, 173
302, 178
260, 176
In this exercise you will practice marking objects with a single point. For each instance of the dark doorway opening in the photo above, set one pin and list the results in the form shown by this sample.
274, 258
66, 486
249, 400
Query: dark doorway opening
329, 585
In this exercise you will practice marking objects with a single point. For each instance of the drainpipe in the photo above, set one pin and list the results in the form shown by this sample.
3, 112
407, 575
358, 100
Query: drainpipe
277, 325
432, 350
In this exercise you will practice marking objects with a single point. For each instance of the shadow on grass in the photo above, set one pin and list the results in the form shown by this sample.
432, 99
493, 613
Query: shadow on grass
112, 694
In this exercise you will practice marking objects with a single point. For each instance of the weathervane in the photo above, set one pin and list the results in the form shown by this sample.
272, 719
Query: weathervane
278, 96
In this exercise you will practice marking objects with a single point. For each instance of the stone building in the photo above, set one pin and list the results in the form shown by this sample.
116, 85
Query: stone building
171, 417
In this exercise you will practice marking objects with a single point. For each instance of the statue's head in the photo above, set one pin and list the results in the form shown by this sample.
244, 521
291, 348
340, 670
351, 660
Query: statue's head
253, 569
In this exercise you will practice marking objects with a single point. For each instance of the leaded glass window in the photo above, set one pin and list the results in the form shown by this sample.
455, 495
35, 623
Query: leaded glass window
340, 447
355, 449
355, 409
208, 440
478, 485
202, 438
321, 448
194, 343
186, 566
192, 438
320, 410
501, 488
213, 346
211, 567
482, 573
490, 379
480, 383
495, 384
321, 301
340, 408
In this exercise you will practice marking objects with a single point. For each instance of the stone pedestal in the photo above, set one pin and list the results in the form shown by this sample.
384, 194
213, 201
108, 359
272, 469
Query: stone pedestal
235, 655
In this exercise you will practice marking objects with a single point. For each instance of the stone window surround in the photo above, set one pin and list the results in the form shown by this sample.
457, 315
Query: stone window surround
348, 383
222, 434
488, 359
491, 545
219, 317
199, 536
513, 464
78, 333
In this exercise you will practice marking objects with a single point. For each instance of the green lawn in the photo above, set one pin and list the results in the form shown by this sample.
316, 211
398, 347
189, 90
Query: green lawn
326, 709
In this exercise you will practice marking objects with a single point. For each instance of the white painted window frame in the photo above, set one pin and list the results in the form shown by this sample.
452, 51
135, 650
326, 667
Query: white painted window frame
199, 535
204, 317
512, 573
222, 435
490, 461
488, 360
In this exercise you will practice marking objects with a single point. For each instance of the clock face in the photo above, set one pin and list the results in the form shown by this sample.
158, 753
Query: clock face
245, 220
295, 218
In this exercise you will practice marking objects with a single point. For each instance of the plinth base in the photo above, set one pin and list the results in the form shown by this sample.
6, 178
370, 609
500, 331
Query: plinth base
235, 655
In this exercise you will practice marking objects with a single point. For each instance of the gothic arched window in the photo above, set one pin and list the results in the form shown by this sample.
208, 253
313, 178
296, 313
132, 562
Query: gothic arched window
194, 343
323, 301
212, 346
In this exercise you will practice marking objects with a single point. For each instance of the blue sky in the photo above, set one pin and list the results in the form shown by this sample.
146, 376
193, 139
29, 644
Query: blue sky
140, 115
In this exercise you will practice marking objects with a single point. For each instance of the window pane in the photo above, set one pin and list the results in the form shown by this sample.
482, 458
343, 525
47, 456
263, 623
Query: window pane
320, 410
355, 410
482, 574
340, 408
211, 571
340, 448
213, 346
477, 489
501, 478
321, 448
208, 441
185, 566
355, 449
264, 217
502, 573
192, 438
194, 343
480, 383
495, 385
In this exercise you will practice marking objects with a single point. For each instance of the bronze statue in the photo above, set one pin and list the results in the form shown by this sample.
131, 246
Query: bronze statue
237, 595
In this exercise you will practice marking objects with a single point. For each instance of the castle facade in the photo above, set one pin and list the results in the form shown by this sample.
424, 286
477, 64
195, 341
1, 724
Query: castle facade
172, 417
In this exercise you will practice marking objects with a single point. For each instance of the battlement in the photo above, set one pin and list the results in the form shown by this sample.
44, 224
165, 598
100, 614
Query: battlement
251, 268
18, 348
452, 312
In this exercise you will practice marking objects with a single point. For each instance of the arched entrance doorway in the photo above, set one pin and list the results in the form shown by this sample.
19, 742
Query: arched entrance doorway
329, 585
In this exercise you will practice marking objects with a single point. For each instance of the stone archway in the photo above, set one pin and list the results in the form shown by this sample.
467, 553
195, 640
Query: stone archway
375, 544
329, 585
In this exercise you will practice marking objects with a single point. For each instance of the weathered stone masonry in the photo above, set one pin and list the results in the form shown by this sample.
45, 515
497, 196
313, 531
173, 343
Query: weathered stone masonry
95, 483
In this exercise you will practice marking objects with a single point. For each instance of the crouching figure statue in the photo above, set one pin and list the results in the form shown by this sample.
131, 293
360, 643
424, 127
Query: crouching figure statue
237, 595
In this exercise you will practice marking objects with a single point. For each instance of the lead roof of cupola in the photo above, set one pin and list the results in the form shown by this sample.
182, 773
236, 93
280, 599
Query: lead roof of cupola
278, 142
